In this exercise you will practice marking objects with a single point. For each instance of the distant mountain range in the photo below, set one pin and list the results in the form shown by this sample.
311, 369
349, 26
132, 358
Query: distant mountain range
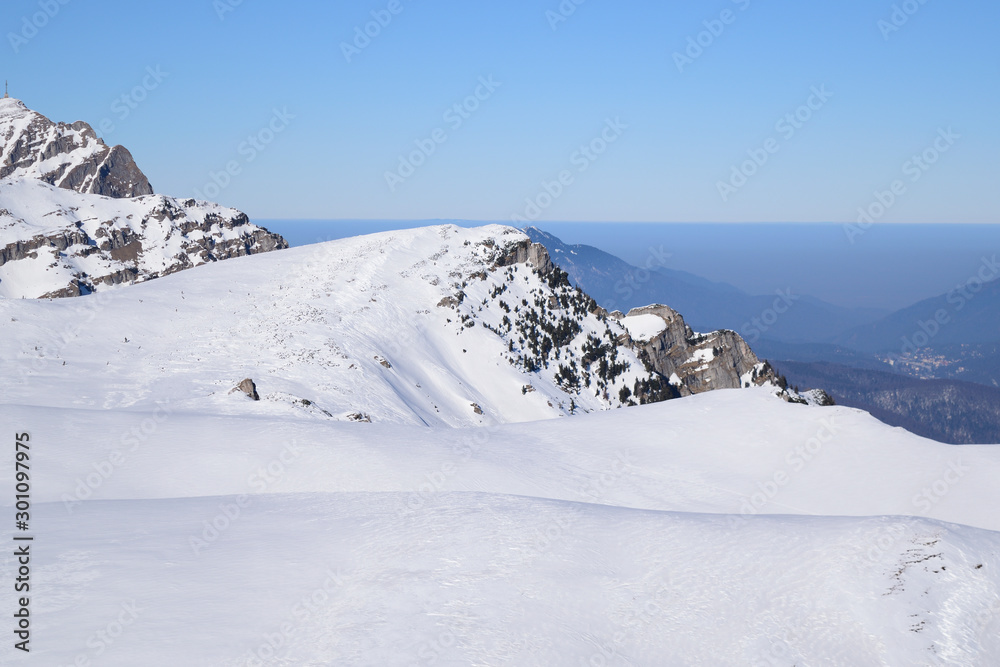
944, 410
968, 314
783, 316
883, 363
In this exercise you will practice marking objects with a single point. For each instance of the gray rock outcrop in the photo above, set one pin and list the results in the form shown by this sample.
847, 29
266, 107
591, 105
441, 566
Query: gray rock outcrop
248, 387
695, 362
69, 156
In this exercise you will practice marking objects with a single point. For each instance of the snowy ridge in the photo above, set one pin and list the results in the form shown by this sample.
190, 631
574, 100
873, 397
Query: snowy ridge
431, 326
57, 242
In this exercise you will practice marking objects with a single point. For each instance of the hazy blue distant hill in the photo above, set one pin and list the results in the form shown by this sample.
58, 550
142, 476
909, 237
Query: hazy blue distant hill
706, 305
968, 314
816, 352
944, 410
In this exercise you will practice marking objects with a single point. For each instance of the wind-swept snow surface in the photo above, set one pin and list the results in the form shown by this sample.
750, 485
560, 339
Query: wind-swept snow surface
177, 523
654, 535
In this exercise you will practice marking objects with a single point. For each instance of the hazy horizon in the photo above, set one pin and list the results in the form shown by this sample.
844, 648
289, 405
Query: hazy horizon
886, 267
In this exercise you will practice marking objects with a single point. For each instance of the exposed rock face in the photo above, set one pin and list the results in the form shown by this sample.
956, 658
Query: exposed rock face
69, 156
57, 243
701, 362
526, 252
77, 215
690, 363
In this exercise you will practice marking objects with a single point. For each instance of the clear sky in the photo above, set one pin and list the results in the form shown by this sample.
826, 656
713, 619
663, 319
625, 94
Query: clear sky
678, 126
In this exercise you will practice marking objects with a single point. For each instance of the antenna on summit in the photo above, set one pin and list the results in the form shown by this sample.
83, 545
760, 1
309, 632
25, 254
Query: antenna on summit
5, 95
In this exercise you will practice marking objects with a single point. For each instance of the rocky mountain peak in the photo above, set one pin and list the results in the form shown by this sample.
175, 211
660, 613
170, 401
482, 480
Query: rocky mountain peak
69, 156
77, 216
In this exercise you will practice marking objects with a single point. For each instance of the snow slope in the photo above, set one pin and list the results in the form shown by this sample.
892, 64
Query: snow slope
177, 523
417, 326
619, 537
341, 579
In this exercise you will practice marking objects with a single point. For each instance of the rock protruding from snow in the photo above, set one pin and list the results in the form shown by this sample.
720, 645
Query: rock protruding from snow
69, 156
694, 362
248, 387
59, 243
526, 252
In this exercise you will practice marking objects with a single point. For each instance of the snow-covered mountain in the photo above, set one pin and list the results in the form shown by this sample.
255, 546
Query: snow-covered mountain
724, 528
67, 156
59, 243
60, 236
440, 325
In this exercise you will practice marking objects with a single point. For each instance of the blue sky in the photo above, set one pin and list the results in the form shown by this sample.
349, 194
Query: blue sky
226, 68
